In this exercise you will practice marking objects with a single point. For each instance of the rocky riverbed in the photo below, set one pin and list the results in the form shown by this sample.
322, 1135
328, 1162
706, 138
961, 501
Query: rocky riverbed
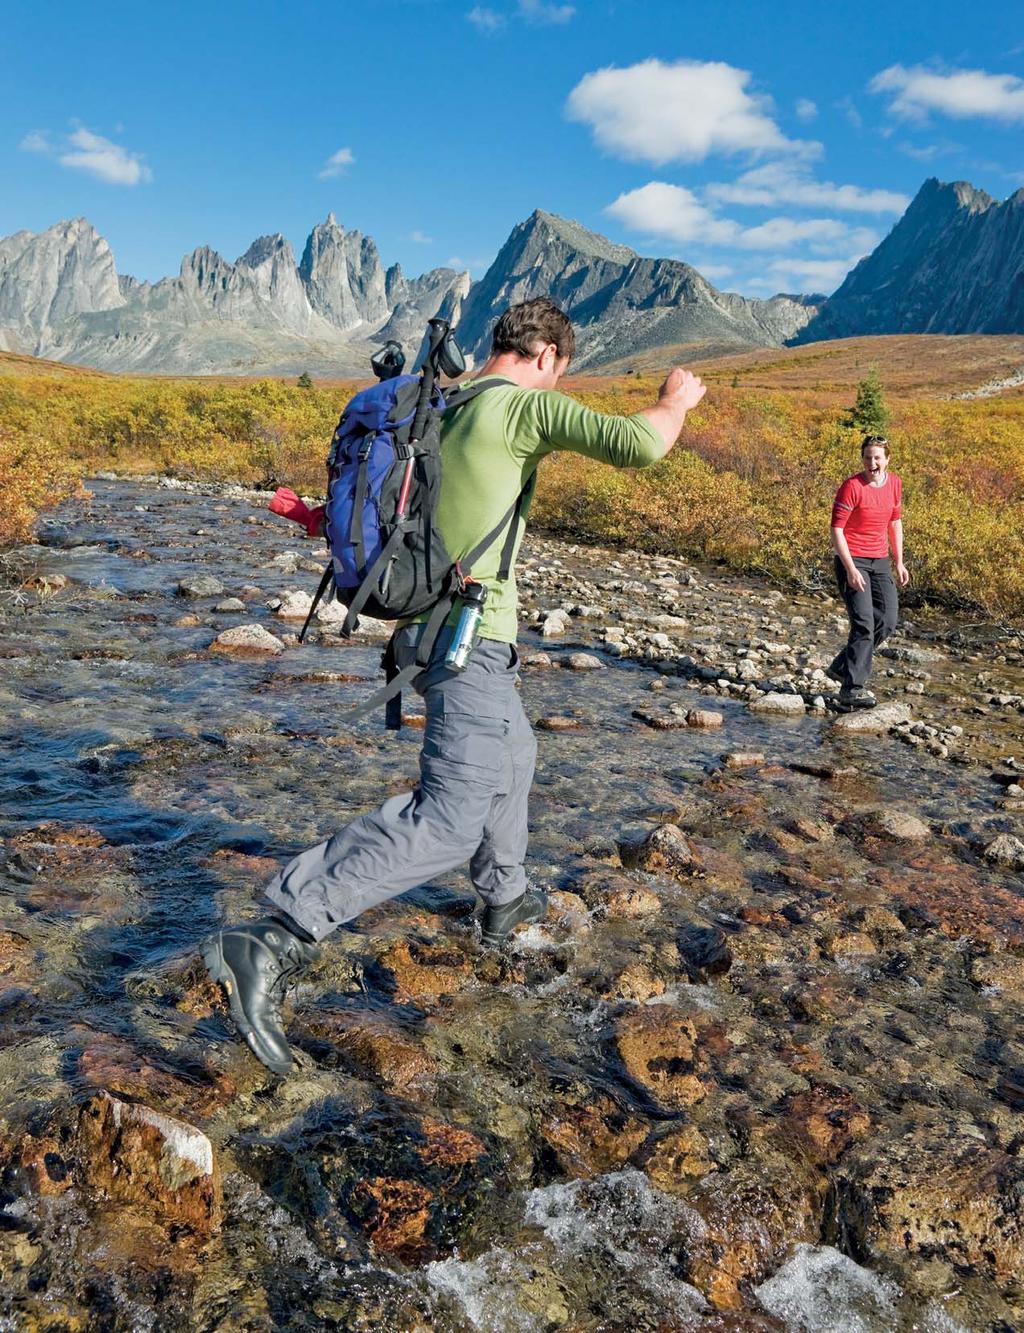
760, 1069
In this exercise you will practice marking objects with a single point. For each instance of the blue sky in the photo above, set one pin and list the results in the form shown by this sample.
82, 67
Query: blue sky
768, 144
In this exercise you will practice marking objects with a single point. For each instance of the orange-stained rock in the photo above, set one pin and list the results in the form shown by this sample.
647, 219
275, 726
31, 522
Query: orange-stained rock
680, 1158
569, 911
395, 1215
592, 1138
370, 1044
824, 1121
16, 958
661, 1047
753, 1215
631, 901
43, 1163
933, 1191
110, 1064
418, 967
447, 1145
149, 1161
1005, 971
637, 982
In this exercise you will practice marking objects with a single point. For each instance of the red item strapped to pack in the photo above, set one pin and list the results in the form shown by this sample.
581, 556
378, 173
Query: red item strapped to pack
288, 505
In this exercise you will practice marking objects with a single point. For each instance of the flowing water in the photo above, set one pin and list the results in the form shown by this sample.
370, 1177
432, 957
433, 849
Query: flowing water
770, 1078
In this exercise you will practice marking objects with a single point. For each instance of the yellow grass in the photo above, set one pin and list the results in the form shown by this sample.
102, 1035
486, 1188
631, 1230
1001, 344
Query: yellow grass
750, 485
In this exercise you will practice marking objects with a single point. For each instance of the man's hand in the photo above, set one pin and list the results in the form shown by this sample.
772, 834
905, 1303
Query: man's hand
855, 579
902, 574
288, 504
682, 389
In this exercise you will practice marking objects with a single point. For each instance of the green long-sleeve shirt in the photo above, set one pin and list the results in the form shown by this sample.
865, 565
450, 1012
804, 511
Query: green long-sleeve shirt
491, 447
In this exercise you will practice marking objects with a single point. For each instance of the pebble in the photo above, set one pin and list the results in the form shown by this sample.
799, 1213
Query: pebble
230, 604
743, 759
1006, 850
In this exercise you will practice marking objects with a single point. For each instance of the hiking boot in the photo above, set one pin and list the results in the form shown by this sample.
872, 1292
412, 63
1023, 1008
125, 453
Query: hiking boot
255, 963
497, 923
856, 696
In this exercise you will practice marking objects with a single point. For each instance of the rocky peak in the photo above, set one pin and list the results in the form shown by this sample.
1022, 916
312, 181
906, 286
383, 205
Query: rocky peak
50, 276
343, 276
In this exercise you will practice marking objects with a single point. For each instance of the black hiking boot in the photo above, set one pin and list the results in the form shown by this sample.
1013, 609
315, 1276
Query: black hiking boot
497, 923
856, 696
255, 963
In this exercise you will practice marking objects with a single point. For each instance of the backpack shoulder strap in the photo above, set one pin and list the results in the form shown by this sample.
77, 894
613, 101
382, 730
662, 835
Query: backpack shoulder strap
461, 394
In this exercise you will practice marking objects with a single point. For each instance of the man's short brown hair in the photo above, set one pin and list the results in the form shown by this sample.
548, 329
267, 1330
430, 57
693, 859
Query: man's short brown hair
523, 326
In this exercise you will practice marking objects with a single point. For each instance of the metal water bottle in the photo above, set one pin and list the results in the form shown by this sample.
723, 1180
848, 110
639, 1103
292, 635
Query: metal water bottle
472, 600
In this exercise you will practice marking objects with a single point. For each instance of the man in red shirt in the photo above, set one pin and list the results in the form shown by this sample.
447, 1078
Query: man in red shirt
866, 518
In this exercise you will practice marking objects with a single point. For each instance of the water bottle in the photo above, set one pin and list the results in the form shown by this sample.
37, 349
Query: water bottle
472, 597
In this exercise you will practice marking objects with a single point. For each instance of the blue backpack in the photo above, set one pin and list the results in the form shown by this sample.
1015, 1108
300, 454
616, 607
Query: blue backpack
383, 484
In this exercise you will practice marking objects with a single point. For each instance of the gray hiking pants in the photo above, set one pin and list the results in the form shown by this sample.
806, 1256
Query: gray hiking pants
476, 769
873, 614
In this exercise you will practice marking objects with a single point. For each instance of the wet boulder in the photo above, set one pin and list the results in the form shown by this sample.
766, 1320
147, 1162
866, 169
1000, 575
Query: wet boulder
665, 1049
588, 1133
896, 825
143, 1159
666, 849
780, 705
936, 1191
752, 1216
823, 1121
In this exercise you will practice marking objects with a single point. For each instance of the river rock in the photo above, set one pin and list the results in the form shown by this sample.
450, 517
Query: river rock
936, 1192
1006, 850
872, 721
245, 640
897, 825
292, 605
582, 662
664, 849
743, 759
592, 1135
200, 585
555, 623
230, 604
661, 1049
825, 1121
787, 705
150, 1161
1004, 971
705, 719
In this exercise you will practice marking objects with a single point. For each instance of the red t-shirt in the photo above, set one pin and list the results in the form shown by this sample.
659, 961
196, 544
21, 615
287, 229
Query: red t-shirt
864, 513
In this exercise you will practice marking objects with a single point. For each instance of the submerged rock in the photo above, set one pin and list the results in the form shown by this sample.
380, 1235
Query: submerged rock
200, 585
872, 721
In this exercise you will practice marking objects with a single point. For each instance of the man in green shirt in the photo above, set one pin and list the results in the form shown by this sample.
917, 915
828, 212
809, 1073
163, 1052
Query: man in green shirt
477, 761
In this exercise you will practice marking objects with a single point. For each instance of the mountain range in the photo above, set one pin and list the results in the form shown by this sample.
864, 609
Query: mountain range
954, 263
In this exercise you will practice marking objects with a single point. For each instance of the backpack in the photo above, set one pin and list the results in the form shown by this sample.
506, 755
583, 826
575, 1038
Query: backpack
383, 484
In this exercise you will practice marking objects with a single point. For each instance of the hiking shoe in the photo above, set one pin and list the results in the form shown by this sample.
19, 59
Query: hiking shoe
856, 696
497, 923
255, 963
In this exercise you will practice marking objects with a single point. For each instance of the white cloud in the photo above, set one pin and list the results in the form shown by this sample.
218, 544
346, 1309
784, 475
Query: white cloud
962, 93
675, 213
535, 11
102, 158
671, 211
487, 20
37, 141
817, 275
790, 184
715, 271
680, 112
849, 109
421, 238
473, 265
806, 109
336, 164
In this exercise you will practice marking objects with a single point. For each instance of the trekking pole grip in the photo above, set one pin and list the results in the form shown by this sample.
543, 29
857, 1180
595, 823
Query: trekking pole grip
439, 329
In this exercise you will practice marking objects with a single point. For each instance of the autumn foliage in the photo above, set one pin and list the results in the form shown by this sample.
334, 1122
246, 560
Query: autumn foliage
750, 485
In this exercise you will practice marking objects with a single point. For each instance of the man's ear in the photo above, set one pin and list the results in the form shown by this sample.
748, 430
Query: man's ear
547, 358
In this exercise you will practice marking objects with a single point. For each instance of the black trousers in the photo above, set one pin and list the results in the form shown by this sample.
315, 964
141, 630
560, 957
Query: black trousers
873, 613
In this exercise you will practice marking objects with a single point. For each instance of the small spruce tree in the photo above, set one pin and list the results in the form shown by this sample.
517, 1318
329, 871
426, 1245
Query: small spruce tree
869, 412
304, 380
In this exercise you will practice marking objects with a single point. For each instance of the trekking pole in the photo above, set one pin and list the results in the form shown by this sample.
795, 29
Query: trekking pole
439, 330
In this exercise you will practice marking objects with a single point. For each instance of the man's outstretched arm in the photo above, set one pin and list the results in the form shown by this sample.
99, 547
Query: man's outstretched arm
645, 437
